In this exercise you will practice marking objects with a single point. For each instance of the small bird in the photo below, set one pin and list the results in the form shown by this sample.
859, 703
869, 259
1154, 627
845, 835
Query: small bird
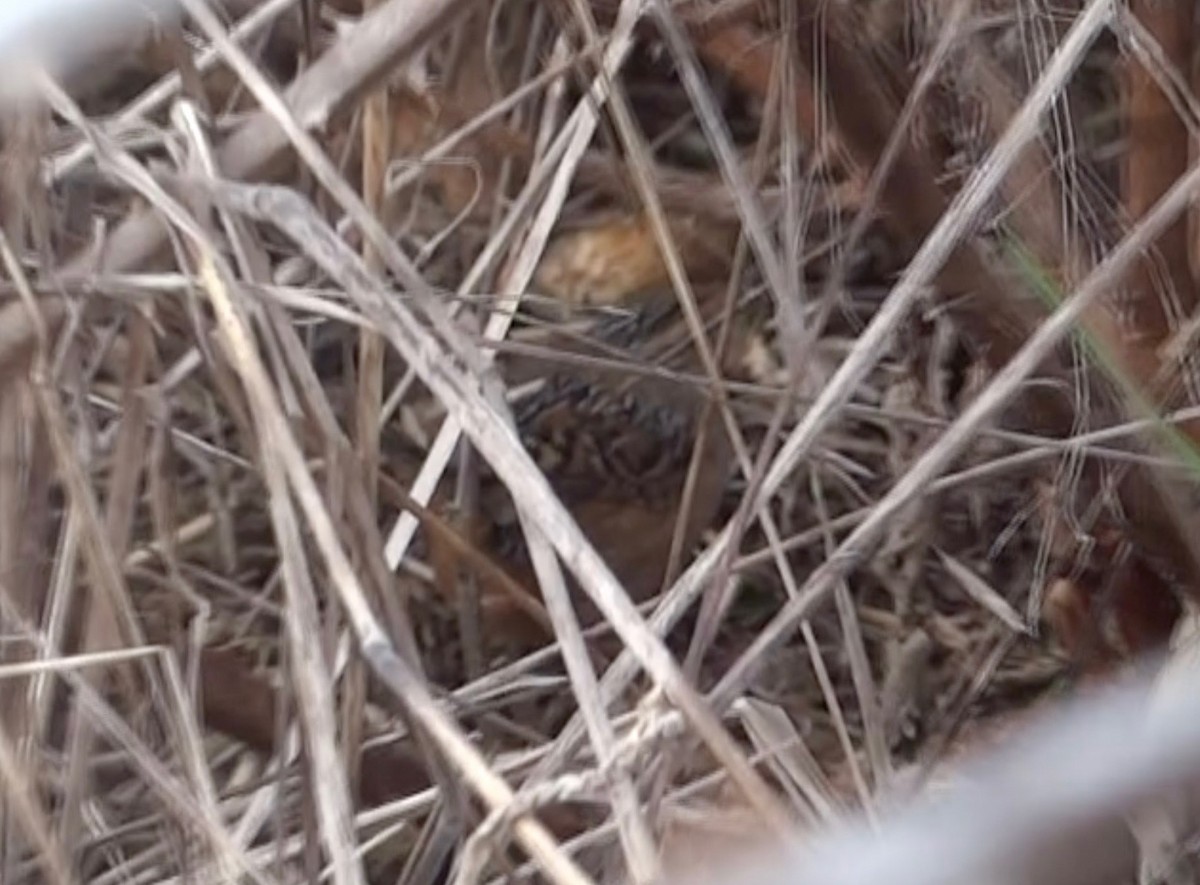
618, 454
619, 462
616, 446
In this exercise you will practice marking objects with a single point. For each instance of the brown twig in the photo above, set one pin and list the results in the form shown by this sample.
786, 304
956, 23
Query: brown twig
1162, 289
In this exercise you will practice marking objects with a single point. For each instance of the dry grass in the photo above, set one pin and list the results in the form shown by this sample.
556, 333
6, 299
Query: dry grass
289, 594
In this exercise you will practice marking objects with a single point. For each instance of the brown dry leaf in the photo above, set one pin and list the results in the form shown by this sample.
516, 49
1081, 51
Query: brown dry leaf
1116, 606
469, 178
1068, 612
1102, 621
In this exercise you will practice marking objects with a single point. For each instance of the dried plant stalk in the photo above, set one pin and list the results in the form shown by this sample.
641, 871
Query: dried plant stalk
1162, 289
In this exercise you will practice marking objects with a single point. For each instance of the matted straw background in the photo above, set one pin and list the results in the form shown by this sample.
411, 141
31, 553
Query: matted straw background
262, 306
